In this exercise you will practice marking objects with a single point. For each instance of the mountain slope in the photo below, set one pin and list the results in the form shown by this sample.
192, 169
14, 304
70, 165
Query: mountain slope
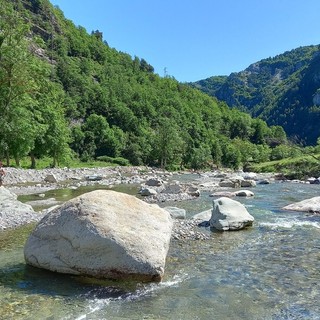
82, 98
281, 90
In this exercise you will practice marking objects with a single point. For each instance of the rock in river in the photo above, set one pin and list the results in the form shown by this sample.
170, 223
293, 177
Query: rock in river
104, 234
228, 214
308, 205
14, 213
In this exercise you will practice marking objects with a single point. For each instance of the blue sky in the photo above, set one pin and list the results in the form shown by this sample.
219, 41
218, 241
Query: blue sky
196, 39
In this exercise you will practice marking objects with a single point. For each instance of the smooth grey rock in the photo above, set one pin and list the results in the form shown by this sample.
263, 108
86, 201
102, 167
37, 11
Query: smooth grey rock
248, 183
176, 213
264, 181
228, 214
14, 213
51, 178
104, 234
222, 194
173, 189
193, 191
147, 192
94, 178
154, 182
204, 215
244, 193
249, 175
230, 183
308, 205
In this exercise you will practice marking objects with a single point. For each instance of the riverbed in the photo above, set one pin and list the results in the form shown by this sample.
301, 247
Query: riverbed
268, 271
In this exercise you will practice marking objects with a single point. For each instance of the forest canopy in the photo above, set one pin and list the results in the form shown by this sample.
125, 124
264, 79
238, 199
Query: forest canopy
64, 93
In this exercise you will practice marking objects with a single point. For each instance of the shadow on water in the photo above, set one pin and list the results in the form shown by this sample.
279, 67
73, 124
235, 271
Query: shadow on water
35, 281
18, 277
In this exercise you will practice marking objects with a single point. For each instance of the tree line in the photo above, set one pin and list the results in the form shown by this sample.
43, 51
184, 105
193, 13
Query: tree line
64, 93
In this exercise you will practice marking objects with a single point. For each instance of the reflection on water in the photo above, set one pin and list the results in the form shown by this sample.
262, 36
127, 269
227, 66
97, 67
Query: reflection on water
270, 271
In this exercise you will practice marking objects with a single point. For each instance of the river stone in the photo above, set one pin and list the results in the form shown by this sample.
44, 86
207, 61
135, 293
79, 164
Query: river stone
104, 234
244, 193
14, 213
176, 213
51, 178
228, 214
193, 191
154, 182
230, 183
308, 205
248, 183
147, 192
204, 215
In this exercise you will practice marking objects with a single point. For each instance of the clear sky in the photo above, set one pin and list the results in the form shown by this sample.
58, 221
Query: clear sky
196, 39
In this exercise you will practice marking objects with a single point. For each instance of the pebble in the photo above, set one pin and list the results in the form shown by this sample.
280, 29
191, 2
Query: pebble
184, 230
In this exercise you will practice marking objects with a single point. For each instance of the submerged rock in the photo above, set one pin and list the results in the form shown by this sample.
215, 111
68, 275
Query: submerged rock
228, 214
104, 234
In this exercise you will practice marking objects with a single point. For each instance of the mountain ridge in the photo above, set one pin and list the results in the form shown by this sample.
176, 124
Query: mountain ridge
276, 90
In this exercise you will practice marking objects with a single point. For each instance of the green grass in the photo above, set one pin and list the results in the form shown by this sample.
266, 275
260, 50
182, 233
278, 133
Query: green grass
292, 168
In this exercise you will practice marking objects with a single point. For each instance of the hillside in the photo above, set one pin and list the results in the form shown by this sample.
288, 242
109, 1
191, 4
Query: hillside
64, 93
282, 90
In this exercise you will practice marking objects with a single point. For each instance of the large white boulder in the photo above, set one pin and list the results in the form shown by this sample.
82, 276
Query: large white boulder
308, 205
104, 234
228, 214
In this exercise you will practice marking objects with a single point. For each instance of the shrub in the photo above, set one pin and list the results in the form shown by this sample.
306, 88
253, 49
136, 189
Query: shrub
119, 160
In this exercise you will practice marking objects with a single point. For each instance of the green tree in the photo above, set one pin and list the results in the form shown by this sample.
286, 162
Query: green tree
53, 132
201, 157
231, 156
168, 144
18, 69
216, 152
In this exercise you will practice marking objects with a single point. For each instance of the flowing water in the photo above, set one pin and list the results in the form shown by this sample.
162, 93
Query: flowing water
270, 271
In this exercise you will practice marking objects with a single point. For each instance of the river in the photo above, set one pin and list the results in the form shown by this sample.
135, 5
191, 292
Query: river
269, 271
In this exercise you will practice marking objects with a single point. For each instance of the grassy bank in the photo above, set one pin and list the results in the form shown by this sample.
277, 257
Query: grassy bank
292, 168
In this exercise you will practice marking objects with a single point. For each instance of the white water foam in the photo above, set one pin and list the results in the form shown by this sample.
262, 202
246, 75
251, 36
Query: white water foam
290, 223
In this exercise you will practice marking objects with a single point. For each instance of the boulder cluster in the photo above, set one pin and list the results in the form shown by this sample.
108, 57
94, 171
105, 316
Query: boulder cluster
108, 234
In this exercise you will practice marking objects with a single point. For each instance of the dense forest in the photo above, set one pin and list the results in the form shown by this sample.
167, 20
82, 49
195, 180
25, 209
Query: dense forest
283, 90
65, 94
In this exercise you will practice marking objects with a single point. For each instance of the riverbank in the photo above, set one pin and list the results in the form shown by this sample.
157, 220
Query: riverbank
29, 181
26, 182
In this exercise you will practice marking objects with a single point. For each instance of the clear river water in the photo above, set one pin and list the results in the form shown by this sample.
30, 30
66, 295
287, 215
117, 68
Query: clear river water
269, 271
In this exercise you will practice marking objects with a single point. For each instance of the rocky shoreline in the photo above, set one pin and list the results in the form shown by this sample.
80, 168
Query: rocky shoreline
28, 181
161, 185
